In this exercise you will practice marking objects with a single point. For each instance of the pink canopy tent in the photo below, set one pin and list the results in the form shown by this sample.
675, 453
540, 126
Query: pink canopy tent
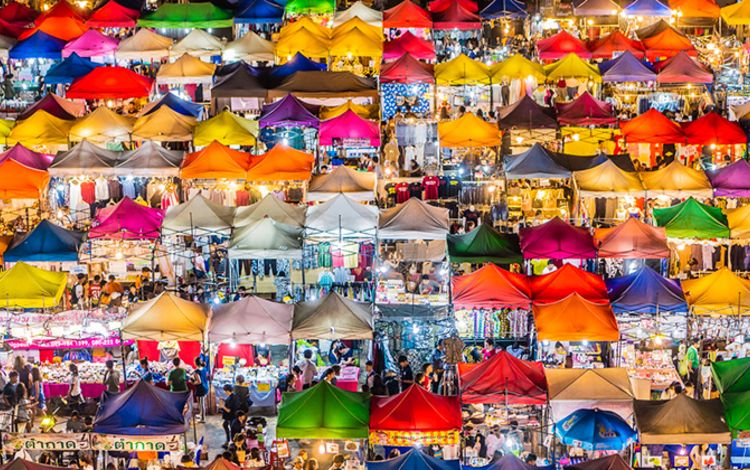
558, 240
349, 126
91, 44
127, 220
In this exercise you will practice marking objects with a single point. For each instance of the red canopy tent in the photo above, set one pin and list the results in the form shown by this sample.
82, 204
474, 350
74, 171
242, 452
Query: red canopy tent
407, 14
503, 379
714, 129
632, 239
682, 68
438, 5
12, 30
14, 12
585, 111
415, 410
113, 15
60, 27
407, 69
652, 127
561, 44
61, 9
455, 16
407, 43
110, 83
615, 43
667, 43
565, 281
491, 287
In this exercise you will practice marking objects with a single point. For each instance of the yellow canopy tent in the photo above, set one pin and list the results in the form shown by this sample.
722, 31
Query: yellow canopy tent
462, 71
5, 127
739, 222
307, 24
356, 43
24, 286
102, 126
737, 13
584, 141
677, 180
227, 128
572, 66
608, 180
304, 42
360, 110
164, 125
517, 66
356, 23
722, 292
468, 131
166, 318
186, 69
41, 128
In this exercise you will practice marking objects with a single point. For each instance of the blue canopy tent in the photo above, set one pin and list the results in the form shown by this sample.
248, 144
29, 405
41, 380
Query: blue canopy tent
143, 410
298, 63
503, 9
648, 8
69, 69
626, 68
47, 242
414, 460
595, 430
537, 162
176, 104
259, 12
39, 45
506, 462
645, 291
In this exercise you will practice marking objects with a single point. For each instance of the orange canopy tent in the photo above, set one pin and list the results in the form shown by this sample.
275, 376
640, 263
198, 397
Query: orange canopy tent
696, 8
667, 43
491, 287
714, 129
18, 181
503, 379
216, 161
60, 27
652, 127
281, 163
565, 281
632, 239
574, 318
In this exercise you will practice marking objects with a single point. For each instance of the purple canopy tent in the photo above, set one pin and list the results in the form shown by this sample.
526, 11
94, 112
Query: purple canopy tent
526, 114
585, 111
557, 239
27, 157
627, 68
61, 108
732, 180
289, 111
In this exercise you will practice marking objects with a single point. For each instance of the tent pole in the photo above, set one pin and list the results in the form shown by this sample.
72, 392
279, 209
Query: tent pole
123, 359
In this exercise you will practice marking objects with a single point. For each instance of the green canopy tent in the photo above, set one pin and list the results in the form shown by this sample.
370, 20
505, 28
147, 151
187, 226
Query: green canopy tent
188, 15
691, 219
732, 379
324, 411
484, 245
310, 7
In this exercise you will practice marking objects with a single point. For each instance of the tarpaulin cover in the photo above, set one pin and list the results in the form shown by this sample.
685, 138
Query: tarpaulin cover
632, 239
691, 219
703, 9
569, 66
18, 181
24, 286
326, 85
491, 287
407, 15
21, 464
310, 7
681, 420
216, 161
413, 220
462, 70
537, 162
127, 220
613, 462
484, 244
468, 131
608, 180
110, 83
144, 44
357, 185
407, 69
186, 69
175, 103
188, 16
298, 63
585, 110
149, 159
597, 8
198, 43
323, 411
504, 9
27, 157
60, 27
332, 317
682, 68
720, 293
574, 318
414, 459
166, 317
364, 111
281, 163
84, 158
251, 320
736, 13
627, 68
504, 379
266, 239
38, 46
302, 41
41, 128
359, 10
646, 291
242, 82
113, 15
652, 8
72, 67
526, 114
343, 30
733, 382
46, 242
517, 66
667, 43
415, 410
227, 128
595, 430
164, 125
560, 45
652, 127
249, 47
408, 43
143, 410
731, 181
349, 127
287, 112
556, 239
565, 281
341, 215
101, 126
270, 207
714, 129
573, 389
455, 16
199, 214
258, 12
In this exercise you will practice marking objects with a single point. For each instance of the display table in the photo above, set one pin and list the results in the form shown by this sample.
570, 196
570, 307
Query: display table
349, 379
262, 394
87, 390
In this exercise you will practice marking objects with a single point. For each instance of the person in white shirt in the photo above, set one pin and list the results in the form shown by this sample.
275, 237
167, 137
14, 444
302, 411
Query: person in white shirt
494, 442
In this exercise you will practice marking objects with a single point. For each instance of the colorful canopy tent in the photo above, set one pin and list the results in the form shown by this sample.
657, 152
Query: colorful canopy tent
270, 207
414, 459
407, 15
18, 181
595, 430
127, 220
303, 41
572, 389
455, 16
15, 12
560, 45
265, 322
407, 69
164, 125
198, 215
691, 219
565, 281
331, 112
226, 128
259, 12
613, 462
357, 185
503, 379
645, 291
537, 162
361, 11
198, 43
61, 9
24, 286
572, 65
714, 129
731, 379
186, 69
462, 71
143, 410
216, 161
408, 43
145, 44
310, 7
166, 317
187, 16
113, 15
91, 44
332, 317
696, 9
150, 159
517, 67
413, 220
681, 68
731, 181
720, 293
84, 158
484, 244
632, 239
287, 112
680, 420
526, 114
323, 411
608, 180
504, 9
281, 163
342, 30
326, 85
266, 239
298, 63
597, 8
349, 127
736, 13
739, 222
175, 103
243, 82
41, 128
40, 45
585, 110
652, 127
415, 411
63, 28
627, 68
72, 67
677, 180
556, 239
101, 126
27, 157
491, 287
249, 47
341, 216
667, 43
574, 318
468, 131
110, 83
652, 8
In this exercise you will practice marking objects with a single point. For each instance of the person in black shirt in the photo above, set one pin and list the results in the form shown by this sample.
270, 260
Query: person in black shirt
9, 391
406, 375
227, 413
391, 384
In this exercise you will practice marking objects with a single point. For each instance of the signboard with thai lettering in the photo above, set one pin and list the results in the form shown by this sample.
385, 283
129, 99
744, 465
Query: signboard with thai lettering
118, 443
16, 441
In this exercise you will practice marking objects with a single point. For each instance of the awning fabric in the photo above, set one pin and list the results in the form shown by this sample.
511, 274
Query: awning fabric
413, 220
149, 159
608, 180
326, 85
332, 317
537, 162
736, 13
691, 219
462, 71
681, 68
407, 69
731, 181
72, 67
342, 216
91, 44
270, 207
667, 43
216, 161
415, 410
504, 379
645, 291
720, 293
287, 112
526, 114
38, 46
696, 9
226, 128
615, 43
24, 286
632, 239
504, 9
310, 7
407, 43
565, 281
575, 319
164, 125
349, 127
556, 239
595, 429
572, 65
19, 463
585, 110
407, 15
187, 16
739, 222
653, 8
484, 244
573, 389
681, 420
491, 287
258, 12
46, 243
198, 43
251, 320
144, 44
517, 67
199, 215
266, 239
627, 68
127, 220
714, 129
298, 63
560, 45
166, 317
243, 82
113, 15
84, 158
110, 83
359, 10
41, 128
733, 382
58, 107
18, 181
175, 103
323, 411
414, 459
652, 127
281, 163
186, 69
101, 126
357, 185
468, 131
249, 47
455, 16
27, 157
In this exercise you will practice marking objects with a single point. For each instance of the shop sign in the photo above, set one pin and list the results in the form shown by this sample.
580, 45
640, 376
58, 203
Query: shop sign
18, 441
117, 443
